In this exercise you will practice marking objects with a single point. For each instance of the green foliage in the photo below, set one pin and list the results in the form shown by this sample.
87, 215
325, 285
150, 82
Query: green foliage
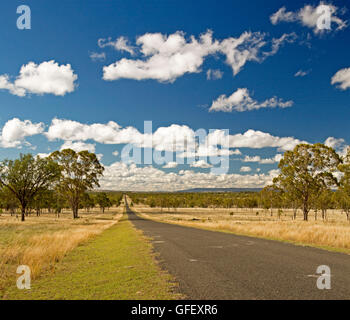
306, 171
80, 172
27, 176
103, 200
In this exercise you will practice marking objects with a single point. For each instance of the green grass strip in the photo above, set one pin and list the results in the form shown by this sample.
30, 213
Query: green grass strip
117, 265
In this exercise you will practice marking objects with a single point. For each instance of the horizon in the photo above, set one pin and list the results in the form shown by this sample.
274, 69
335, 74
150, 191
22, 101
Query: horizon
262, 78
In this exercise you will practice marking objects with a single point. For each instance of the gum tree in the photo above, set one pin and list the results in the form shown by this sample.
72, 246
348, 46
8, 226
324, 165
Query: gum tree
80, 172
27, 176
306, 171
344, 187
103, 201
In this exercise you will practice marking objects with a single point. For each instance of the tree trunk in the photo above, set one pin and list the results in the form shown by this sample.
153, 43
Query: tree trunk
306, 214
75, 213
23, 213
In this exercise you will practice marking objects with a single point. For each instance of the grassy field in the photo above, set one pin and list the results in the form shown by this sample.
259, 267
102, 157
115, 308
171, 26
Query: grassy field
333, 234
95, 257
41, 242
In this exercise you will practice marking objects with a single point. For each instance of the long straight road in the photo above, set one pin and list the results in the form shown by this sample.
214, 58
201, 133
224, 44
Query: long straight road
220, 266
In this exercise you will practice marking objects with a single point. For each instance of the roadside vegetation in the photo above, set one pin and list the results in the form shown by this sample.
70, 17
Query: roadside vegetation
314, 181
116, 265
44, 241
39, 203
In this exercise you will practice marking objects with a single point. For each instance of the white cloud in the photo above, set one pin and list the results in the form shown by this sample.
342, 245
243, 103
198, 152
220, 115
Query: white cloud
170, 165
5, 84
339, 145
214, 74
167, 57
43, 155
120, 176
276, 43
258, 139
120, 44
301, 73
308, 16
201, 164
241, 101
46, 78
252, 159
276, 158
115, 153
79, 146
342, 77
94, 56
245, 169
171, 138
15, 131
282, 15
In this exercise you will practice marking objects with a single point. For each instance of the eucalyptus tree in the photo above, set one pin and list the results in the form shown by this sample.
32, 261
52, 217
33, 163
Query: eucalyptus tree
103, 201
80, 172
27, 176
9, 201
306, 171
344, 187
323, 201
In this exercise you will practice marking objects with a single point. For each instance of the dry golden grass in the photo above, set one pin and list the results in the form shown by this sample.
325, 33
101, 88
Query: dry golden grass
332, 234
40, 242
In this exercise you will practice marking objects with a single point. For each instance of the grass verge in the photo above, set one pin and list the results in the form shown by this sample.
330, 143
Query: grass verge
116, 265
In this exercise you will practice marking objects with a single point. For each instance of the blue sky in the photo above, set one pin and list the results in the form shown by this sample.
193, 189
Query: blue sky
309, 107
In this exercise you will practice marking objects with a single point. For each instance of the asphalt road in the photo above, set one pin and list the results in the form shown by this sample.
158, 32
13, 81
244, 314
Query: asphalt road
220, 266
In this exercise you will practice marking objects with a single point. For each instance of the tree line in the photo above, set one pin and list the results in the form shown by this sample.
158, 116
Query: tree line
61, 180
312, 177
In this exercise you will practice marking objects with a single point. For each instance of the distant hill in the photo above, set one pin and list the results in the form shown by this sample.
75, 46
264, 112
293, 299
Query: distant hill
222, 190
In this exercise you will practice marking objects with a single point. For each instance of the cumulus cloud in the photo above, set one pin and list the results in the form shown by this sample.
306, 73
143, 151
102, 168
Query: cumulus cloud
339, 145
79, 146
170, 165
201, 164
15, 131
120, 176
342, 78
43, 155
277, 158
241, 101
214, 74
167, 57
258, 139
245, 169
46, 78
172, 138
308, 16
